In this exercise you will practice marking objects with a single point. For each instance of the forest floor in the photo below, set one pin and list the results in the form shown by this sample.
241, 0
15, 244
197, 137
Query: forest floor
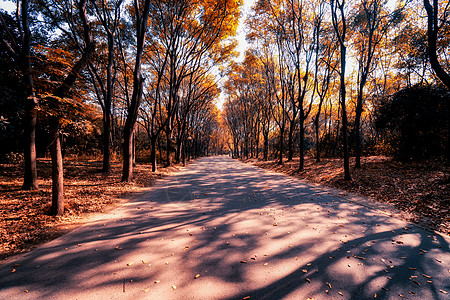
420, 190
25, 220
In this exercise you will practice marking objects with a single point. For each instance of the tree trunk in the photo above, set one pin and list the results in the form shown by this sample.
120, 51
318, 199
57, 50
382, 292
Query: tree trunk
30, 174
266, 146
358, 113
432, 29
127, 172
344, 117
30, 171
107, 141
57, 175
138, 82
291, 141
280, 146
153, 154
302, 143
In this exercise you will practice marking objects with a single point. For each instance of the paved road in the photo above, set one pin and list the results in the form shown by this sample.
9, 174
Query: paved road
241, 231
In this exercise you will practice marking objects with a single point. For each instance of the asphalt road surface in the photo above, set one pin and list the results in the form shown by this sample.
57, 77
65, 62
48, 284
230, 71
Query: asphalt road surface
220, 229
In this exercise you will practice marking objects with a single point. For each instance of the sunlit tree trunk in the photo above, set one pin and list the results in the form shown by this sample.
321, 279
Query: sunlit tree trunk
57, 174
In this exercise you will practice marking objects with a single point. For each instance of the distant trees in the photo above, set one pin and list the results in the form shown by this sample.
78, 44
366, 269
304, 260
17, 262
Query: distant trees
324, 76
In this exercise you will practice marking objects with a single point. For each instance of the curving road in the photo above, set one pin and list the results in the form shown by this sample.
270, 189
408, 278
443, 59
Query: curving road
220, 229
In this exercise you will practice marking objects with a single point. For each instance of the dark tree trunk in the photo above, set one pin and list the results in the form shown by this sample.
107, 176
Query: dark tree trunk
138, 81
153, 154
107, 140
347, 175
433, 28
291, 140
358, 137
302, 142
341, 33
57, 175
61, 92
280, 146
30, 171
266, 146
30, 174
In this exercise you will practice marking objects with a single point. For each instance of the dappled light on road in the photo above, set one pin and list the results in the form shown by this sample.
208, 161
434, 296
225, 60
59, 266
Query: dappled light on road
220, 229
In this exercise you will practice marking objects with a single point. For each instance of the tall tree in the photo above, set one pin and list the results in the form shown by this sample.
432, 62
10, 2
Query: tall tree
141, 22
108, 13
436, 23
20, 50
340, 27
75, 25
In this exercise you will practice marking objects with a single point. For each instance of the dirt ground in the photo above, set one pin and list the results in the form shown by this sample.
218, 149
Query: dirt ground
421, 190
25, 221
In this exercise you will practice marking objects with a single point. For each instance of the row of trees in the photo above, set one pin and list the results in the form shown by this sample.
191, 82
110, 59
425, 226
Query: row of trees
322, 72
149, 64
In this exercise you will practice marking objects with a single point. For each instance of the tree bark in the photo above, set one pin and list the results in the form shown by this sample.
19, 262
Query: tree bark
30, 171
291, 140
57, 175
280, 146
302, 142
61, 92
138, 81
153, 154
107, 140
